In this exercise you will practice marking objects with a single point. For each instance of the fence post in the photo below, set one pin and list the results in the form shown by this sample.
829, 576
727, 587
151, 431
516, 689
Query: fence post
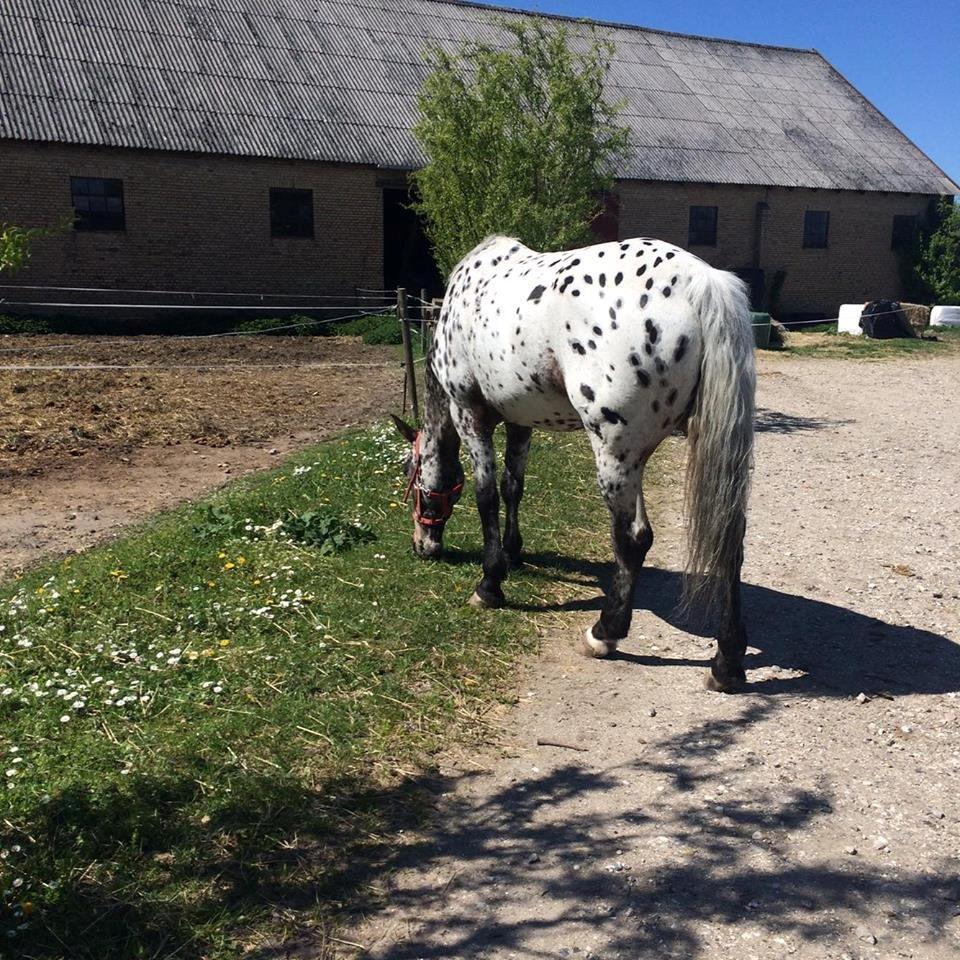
408, 350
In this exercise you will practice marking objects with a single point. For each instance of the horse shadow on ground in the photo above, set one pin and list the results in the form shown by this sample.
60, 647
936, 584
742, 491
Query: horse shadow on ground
504, 873
774, 421
839, 651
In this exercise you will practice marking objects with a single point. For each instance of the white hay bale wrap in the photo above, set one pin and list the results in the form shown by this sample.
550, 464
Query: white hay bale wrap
945, 317
849, 318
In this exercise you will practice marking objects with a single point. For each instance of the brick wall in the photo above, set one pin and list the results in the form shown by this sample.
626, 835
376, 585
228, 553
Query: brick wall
200, 222
195, 222
857, 265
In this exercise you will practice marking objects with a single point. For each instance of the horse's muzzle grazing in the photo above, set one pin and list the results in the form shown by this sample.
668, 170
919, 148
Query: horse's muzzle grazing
427, 541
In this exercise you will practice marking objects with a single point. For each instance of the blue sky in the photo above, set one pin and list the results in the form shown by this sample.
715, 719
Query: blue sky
903, 56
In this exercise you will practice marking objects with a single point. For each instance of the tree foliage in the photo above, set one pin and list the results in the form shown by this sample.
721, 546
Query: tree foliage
939, 264
519, 140
14, 247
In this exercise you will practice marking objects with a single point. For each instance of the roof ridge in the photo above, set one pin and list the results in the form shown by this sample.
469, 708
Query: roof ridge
620, 25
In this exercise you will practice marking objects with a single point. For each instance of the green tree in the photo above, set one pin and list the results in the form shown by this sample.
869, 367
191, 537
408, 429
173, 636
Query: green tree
14, 247
519, 140
939, 265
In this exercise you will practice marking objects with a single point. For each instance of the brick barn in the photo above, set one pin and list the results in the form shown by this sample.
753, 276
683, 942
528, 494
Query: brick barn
263, 146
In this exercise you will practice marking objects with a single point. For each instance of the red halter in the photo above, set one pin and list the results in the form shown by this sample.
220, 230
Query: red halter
443, 496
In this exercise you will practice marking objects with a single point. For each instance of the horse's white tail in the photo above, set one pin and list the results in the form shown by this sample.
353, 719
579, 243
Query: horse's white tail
720, 436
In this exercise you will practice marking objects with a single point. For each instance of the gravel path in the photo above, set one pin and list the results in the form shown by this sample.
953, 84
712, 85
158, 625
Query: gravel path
816, 816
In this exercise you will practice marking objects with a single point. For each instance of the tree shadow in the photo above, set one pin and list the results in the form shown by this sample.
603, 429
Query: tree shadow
773, 421
544, 855
840, 652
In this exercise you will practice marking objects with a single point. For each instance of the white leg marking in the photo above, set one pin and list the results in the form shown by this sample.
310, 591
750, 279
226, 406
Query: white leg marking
592, 647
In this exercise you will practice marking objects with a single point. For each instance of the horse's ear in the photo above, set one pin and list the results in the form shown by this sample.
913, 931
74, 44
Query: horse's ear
404, 429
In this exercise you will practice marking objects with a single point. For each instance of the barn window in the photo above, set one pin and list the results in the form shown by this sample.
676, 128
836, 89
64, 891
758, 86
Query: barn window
906, 227
97, 203
816, 226
703, 227
291, 212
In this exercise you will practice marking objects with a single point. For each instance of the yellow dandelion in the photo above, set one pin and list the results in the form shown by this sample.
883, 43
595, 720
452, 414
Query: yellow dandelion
257, 582
118, 574
241, 560
211, 583
221, 555
192, 654
229, 565
207, 652
224, 643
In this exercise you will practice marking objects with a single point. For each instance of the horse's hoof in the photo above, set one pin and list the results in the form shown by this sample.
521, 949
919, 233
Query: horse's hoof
488, 601
727, 685
590, 646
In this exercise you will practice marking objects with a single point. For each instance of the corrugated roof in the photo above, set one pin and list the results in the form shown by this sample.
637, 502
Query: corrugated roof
336, 80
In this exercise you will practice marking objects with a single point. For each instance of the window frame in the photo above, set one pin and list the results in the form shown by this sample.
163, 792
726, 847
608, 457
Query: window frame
287, 227
811, 234
695, 225
88, 219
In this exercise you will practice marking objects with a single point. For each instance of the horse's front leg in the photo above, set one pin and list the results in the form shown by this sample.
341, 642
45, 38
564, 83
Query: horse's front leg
511, 487
477, 437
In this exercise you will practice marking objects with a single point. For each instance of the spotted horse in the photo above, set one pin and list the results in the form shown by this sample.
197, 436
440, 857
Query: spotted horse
630, 341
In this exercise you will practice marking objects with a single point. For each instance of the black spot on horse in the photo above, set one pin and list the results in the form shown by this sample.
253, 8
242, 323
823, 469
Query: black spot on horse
673, 281
649, 282
658, 261
660, 365
652, 330
643, 377
602, 279
613, 314
598, 331
577, 347
666, 291
591, 345
537, 292
587, 391
680, 349
634, 360
618, 279
641, 270
671, 255
671, 397
648, 349
656, 406
587, 278
612, 416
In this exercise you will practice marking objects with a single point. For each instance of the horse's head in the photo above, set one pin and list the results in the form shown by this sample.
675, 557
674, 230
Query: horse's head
434, 484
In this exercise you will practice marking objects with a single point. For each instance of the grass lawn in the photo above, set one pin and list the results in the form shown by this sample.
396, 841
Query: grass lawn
823, 341
212, 728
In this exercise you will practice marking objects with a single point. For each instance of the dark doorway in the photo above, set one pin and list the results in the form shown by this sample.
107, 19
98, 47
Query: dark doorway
756, 280
407, 257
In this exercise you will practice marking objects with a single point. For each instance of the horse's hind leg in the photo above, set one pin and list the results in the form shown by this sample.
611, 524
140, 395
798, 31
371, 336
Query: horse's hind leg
511, 487
726, 670
632, 538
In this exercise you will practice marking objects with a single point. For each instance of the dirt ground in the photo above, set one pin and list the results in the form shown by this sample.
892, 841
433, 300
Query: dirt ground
128, 426
816, 815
